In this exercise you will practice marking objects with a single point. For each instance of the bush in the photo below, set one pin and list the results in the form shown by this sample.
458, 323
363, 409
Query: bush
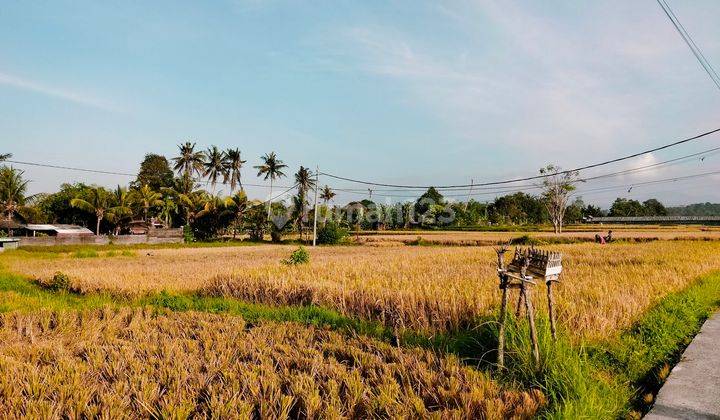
188, 235
331, 234
60, 281
299, 256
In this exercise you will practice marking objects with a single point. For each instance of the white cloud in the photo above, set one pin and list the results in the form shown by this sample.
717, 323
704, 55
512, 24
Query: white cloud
68, 95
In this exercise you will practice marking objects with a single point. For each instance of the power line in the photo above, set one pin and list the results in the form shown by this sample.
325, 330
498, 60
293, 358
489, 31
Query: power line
509, 181
98, 171
680, 159
697, 52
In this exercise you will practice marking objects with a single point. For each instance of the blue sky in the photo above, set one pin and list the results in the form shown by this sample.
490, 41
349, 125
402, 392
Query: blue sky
397, 92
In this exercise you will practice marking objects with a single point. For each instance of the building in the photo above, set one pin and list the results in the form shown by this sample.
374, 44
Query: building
61, 231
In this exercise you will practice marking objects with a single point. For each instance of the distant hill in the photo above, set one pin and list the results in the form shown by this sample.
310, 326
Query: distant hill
699, 209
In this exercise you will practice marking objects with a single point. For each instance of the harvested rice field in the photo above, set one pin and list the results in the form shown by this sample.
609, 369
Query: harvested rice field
356, 332
604, 288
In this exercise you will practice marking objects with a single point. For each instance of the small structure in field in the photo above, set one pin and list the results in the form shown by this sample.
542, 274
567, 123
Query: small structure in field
142, 227
59, 230
527, 264
8, 243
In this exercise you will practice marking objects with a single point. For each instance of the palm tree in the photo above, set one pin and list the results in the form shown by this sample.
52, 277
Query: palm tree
147, 198
12, 190
305, 182
99, 204
326, 194
121, 210
272, 168
168, 207
237, 203
183, 193
233, 164
189, 161
214, 165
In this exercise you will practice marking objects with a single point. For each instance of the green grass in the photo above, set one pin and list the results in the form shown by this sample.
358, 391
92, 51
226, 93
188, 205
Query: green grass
610, 379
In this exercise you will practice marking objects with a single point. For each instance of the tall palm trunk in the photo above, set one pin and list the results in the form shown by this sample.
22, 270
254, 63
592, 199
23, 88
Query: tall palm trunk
270, 200
97, 226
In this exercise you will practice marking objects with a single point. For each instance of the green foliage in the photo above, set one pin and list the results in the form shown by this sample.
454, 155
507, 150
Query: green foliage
430, 198
299, 256
698, 209
188, 235
154, 172
518, 208
85, 253
60, 281
623, 207
331, 234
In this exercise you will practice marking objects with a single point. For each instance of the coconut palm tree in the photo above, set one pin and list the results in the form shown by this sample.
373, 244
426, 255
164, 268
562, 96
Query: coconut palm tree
233, 164
99, 203
271, 168
122, 206
12, 191
168, 207
189, 161
214, 165
326, 194
305, 182
237, 203
146, 198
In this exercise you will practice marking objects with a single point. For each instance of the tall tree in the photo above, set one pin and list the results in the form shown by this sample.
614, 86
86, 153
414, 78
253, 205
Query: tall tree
214, 165
121, 206
557, 186
12, 190
189, 161
271, 168
326, 194
98, 203
154, 172
146, 198
305, 182
237, 204
233, 166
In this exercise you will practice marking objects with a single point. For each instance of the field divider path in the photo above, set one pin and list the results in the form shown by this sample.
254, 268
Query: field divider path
692, 390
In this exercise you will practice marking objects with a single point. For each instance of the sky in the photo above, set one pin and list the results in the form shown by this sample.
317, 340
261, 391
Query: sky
400, 92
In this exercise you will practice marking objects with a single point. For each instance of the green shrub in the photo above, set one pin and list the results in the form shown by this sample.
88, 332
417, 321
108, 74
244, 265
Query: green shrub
331, 234
85, 253
299, 256
188, 235
60, 281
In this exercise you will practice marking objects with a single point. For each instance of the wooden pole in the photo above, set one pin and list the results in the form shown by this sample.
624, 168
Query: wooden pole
521, 298
529, 310
551, 310
317, 174
503, 308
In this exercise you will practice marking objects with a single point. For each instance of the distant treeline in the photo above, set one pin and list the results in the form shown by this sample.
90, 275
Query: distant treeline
698, 209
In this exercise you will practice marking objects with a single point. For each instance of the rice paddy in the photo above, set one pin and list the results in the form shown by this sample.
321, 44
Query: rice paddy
604, 288
144, 345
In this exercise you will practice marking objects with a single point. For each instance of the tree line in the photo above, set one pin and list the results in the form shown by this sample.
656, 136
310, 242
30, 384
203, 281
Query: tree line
182, 192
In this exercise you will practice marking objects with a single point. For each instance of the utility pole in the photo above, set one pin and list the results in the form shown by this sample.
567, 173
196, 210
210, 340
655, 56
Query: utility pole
472, 181
317, 173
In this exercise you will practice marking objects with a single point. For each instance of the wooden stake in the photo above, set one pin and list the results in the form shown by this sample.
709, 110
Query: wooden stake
533, 331
529, 311
503, 306
521, 298
551, 310
501, 333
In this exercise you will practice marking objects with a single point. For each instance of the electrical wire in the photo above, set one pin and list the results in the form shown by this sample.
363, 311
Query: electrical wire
530, 178
697, 52
98, 171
